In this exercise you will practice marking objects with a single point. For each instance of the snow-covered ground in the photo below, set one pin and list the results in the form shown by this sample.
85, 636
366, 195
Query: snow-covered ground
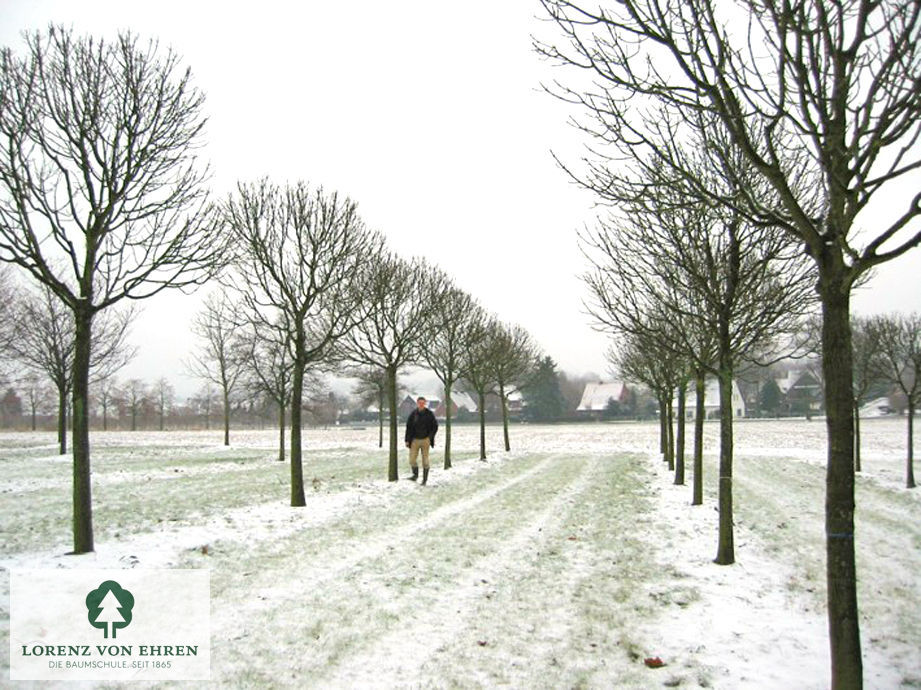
564, 563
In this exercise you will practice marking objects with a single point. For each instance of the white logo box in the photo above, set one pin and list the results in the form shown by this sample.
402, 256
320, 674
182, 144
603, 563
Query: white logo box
168, 636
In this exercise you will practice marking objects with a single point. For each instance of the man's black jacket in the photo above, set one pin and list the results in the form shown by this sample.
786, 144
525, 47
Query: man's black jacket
421, 424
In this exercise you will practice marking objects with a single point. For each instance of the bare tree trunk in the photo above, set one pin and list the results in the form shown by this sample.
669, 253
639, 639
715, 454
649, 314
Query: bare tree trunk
841, 566
281, 432
857, 467
679, 441
910, 469
700, 412
83, 502
62, 421
663, 434
226, 417
504, 402
297, 402
447, 427
482, 426
725, 554
670, 434
380, 420
392, 395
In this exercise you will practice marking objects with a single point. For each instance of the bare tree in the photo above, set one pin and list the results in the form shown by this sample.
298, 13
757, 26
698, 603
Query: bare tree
37, 394
101, 191
106, 392
400, 299
477, 367
815, 90
223, 355
302, 255
46, 344
372, 389
269, 371
163, 393
514, 359
900, 363
866, 344
457, 323
136, 396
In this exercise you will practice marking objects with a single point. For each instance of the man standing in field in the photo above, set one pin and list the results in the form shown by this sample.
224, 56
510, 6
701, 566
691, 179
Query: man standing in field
421, 427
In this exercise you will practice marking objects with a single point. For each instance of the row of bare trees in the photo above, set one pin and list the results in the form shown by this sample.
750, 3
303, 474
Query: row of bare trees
316, 291
887, 347
812, 111
104, 202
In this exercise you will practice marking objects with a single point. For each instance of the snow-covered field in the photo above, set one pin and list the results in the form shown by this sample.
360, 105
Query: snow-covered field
563, 564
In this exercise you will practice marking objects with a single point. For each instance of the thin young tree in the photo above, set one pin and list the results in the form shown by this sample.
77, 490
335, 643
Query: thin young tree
269, 371
223, 354
478, 369
163, 394
136, 396
106, 396
399, 307
513, 363
453, 335
302, 254
46, 345
866, 344
372, 390
102, 193
813, 91
900, 363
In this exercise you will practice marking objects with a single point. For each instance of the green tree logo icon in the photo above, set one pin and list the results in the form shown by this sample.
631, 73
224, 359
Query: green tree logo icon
109, 607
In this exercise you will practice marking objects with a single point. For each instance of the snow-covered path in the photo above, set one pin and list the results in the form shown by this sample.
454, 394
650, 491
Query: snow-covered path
562, 564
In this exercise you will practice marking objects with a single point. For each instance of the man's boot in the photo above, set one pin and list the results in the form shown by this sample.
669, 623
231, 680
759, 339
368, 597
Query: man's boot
415, 473
425, 475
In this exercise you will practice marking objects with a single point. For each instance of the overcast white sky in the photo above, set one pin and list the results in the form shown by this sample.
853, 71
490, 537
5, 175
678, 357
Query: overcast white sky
428, 114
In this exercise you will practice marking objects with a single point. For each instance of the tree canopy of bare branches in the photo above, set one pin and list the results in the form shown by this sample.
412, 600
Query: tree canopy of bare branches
45, 345
302, 253
401, 300
899, 357
456, 323
514, 360
102, 194
223, 354
815, 91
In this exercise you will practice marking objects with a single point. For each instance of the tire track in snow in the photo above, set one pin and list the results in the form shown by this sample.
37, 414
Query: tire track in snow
382, 664
325, 570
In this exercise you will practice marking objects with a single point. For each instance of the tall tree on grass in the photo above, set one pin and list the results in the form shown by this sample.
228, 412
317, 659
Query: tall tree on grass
400, 310
163, 394
301, 256
866, 344
478, 367
815, 90
372, 390
223, 355
513, 362
102, 194
45, 345
136, 396
457, 324
900, 363
269, 370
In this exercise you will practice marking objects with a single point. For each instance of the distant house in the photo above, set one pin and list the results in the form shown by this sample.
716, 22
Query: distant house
712, 401
435, 404
597, 396
802, 392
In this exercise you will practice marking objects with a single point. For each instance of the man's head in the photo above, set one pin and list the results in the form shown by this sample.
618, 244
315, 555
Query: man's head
420, 402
